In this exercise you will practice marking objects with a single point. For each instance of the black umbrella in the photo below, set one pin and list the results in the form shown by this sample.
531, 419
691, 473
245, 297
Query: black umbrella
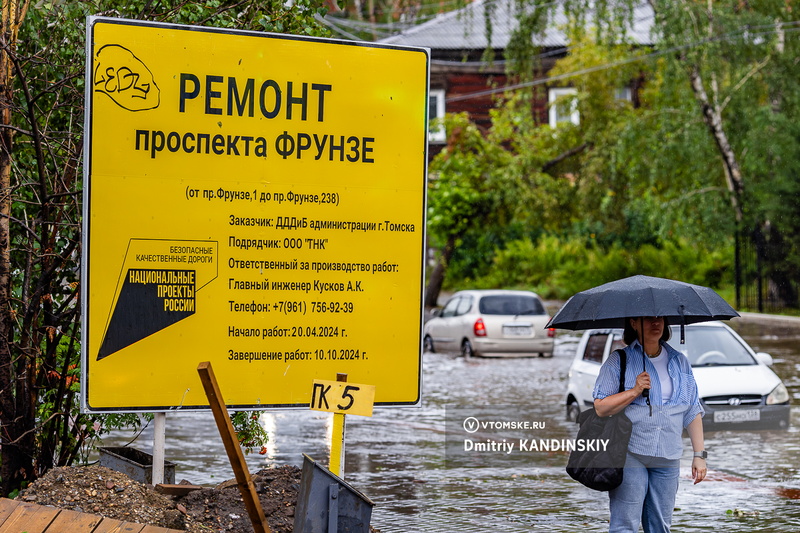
608, 305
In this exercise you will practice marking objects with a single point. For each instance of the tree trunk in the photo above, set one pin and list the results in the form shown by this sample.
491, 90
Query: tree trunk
16, 465
713, 120
8, 461
437, 276
712, 117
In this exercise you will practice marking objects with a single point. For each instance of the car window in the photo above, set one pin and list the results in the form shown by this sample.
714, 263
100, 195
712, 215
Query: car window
595, 345
464, 305
450, 307
511, 304
711, 346
617, 343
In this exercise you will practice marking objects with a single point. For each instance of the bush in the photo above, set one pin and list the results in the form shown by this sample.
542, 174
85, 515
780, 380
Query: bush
558, 268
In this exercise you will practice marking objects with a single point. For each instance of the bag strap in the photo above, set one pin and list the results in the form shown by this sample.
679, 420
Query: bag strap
622, 362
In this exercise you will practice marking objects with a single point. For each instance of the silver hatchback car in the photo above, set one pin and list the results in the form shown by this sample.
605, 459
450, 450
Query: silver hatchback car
491, 323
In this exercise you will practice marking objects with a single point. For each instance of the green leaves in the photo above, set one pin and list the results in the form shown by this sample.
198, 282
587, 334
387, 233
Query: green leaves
250, 432
42, 362
646, 172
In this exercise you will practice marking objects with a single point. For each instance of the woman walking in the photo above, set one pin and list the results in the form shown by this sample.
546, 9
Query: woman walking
660, 399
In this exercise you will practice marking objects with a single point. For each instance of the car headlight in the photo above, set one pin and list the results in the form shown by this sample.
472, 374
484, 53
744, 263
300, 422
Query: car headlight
778, 395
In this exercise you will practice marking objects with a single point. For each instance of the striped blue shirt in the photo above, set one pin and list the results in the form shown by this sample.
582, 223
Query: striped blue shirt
659, 435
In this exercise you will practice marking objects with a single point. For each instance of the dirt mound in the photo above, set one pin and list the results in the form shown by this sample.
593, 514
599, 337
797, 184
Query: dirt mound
99, 490
222, 508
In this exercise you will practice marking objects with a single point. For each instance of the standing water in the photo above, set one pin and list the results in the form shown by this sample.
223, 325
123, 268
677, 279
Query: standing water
415, 465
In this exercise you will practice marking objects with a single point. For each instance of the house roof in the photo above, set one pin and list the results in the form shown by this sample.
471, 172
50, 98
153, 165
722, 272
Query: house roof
465, 28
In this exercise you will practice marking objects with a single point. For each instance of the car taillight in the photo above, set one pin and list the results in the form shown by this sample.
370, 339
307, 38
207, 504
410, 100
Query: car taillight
479, 328
551, 332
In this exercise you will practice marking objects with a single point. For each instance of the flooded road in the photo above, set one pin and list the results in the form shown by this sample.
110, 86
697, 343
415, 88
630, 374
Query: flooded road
413, 464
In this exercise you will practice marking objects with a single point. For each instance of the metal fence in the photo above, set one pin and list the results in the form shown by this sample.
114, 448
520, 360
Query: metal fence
761, 285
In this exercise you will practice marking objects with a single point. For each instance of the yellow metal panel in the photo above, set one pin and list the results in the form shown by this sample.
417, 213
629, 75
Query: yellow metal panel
342, 397
256, 201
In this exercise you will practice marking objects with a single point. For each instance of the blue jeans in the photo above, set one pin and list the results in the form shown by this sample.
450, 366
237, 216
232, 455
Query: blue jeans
646, 496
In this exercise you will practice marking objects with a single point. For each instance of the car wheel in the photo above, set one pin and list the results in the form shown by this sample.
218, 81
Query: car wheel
427, 344
466, 348
573, 410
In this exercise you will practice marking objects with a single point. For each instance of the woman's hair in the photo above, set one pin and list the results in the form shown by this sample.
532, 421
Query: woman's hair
629, 334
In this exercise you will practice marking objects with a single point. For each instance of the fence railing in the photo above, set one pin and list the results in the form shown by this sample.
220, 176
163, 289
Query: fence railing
760, 284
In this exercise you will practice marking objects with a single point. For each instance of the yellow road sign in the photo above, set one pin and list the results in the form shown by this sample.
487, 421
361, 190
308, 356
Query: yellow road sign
342, 397
254, 200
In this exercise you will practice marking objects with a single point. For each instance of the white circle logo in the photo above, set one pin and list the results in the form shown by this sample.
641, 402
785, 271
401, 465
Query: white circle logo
471, 424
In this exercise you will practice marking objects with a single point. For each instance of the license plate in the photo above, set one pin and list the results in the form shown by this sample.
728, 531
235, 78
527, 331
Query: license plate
517, 331
738, 415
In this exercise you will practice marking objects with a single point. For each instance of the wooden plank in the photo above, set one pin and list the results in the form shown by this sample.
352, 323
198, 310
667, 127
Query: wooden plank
235, 455
6, 508
115, 526
17, 517
176, 490
29, 518
72, 521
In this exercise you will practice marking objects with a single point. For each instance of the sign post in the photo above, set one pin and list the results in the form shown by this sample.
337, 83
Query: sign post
337, 439
255, 198
341, 398
159, 445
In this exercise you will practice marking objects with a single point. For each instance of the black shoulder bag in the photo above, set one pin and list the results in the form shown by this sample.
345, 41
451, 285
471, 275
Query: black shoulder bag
601, 445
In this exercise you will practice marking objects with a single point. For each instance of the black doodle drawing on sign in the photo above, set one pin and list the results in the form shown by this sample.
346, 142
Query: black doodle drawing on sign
124, 78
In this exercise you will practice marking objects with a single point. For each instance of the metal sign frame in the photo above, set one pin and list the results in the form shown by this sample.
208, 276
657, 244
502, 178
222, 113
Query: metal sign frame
255, 200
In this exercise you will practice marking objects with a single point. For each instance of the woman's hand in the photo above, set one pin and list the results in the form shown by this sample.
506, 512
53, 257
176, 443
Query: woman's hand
642, 382
699, 469
611, 405
695, 431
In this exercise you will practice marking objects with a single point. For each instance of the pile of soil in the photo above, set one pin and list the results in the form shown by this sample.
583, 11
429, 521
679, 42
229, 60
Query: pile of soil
102, 491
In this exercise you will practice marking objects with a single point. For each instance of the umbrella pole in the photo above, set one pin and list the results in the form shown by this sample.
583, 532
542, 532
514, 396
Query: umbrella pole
645, 392
683, 324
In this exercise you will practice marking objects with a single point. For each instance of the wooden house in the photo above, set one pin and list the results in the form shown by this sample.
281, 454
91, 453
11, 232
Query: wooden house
463, 80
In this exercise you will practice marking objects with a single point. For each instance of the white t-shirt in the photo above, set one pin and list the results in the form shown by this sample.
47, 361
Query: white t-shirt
660, 363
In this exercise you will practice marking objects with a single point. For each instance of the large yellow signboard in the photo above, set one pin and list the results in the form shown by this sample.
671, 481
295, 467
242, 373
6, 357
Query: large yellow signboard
252, 200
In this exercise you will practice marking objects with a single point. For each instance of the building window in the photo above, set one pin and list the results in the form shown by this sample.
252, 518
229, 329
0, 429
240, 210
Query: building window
436, 131
563, 106
623, 93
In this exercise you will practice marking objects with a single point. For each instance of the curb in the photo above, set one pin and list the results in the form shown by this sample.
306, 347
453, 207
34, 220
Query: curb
762, 316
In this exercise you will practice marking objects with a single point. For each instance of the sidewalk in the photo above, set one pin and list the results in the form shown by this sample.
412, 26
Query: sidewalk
763, 316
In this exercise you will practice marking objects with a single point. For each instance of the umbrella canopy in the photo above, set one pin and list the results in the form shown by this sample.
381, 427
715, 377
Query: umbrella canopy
608, 305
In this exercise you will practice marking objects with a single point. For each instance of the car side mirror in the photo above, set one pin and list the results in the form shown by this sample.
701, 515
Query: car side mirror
764, 358
436, 312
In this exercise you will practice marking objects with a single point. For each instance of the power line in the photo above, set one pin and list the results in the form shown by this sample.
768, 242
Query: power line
596, 68
542, 81
375, 28
393, 27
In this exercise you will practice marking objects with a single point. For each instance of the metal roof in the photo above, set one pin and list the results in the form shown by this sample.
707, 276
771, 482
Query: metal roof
465, 28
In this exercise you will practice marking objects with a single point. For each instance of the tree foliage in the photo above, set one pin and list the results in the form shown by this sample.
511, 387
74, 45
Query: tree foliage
469, 192
705, 151
43, 58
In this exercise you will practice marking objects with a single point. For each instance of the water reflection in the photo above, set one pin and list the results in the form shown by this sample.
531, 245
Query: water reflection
399, 457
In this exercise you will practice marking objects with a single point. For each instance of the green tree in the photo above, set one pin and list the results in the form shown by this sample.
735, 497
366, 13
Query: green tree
734, 59
557, 178
41, 147
708, 150
489, 188
470, 191
646, 175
